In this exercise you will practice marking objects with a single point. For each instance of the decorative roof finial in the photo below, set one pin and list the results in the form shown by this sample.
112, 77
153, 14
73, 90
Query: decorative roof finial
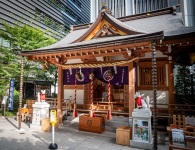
105, 9
103, 4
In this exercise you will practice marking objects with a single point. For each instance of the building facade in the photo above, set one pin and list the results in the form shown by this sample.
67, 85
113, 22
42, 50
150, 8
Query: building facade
121, 8
56, 16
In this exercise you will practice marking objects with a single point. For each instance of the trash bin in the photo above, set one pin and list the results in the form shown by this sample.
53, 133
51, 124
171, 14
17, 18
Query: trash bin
45, 124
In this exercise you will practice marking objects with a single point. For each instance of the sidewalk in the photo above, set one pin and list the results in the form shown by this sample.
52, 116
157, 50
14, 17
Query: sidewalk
67, 137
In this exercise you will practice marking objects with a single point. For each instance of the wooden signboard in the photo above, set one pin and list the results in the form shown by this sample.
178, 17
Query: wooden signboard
178, 137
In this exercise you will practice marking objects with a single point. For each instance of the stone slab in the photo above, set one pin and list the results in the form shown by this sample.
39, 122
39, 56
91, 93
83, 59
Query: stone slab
142, 145
35, 127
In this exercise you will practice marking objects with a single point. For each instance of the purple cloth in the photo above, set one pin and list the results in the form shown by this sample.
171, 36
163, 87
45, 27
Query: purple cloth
120, 75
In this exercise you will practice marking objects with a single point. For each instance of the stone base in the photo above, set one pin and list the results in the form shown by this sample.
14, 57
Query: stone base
35, 127
135, 144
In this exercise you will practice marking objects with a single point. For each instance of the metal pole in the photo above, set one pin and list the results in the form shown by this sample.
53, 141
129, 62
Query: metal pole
4, 108
53, 135
154, 79
66, 107
21, 92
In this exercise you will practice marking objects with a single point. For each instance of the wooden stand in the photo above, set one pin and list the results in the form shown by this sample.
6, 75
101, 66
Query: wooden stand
92, 124
123, 135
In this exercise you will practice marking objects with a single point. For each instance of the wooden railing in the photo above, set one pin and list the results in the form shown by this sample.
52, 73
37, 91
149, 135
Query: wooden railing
180, 123
52, 102
168, 110
181, 109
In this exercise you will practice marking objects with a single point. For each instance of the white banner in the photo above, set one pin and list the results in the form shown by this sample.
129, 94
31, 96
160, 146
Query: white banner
4, 100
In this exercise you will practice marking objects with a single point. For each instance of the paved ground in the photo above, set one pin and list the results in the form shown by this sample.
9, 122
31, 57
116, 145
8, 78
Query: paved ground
67, 137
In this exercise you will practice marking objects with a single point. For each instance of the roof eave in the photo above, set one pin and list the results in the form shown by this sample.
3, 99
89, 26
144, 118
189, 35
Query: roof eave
137, 39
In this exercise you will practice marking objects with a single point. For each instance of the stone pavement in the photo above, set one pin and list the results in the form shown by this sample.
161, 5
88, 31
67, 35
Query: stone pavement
67, 137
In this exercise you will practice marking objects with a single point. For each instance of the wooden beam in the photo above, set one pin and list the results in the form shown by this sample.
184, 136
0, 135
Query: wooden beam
171, 83
79, 87
176, 41
60, 94
131, 88
96, 51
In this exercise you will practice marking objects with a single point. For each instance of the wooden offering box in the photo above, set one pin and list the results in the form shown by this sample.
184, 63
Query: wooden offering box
92, 124
123, 135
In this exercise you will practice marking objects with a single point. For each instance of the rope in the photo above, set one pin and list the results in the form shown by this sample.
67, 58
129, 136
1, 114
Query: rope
75, 90
91, 91
21, 95
109, 88
97, 65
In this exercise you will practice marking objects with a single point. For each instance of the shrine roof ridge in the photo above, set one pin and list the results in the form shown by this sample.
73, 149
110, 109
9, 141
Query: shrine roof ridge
168, 10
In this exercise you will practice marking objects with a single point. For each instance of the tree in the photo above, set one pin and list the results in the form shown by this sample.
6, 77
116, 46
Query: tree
22, 37
183, 85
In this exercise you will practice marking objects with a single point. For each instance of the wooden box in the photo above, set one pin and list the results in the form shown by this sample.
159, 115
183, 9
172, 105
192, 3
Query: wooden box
23, 110
92, 124
45, 124
123, 135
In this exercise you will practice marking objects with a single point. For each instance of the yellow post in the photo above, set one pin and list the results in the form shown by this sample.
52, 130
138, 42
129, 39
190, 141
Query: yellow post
53, 121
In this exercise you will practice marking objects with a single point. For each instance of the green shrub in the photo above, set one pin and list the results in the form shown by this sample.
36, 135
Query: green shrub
8, 113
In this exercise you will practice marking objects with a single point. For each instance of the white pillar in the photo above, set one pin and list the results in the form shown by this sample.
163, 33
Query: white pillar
189, 12
129, 7
93, 10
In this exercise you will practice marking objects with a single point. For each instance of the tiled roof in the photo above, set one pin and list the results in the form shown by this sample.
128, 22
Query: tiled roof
166, 23
123, 24
172, 25
72, 36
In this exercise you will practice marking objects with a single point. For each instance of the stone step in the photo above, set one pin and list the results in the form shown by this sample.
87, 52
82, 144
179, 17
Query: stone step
114, 123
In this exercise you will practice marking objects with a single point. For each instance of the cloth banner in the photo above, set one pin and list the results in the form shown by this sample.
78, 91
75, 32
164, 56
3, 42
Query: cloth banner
4, 100
120, 75
11, 95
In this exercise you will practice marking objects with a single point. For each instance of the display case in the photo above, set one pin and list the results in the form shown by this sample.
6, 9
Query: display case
142, 129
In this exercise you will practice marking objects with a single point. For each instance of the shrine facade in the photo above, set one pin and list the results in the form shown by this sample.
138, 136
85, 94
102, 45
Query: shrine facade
139, 51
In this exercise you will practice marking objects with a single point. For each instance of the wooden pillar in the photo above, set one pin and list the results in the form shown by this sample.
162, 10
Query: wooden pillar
60, 94
171, 82
131, 88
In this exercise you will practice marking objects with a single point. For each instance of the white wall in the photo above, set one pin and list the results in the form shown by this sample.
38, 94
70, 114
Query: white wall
162, 96
71, 92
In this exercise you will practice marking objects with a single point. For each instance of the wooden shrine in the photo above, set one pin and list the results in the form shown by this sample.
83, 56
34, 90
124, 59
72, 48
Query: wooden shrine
145, 45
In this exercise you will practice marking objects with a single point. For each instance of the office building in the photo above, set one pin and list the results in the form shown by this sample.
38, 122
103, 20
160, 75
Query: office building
121, 8
56, 16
